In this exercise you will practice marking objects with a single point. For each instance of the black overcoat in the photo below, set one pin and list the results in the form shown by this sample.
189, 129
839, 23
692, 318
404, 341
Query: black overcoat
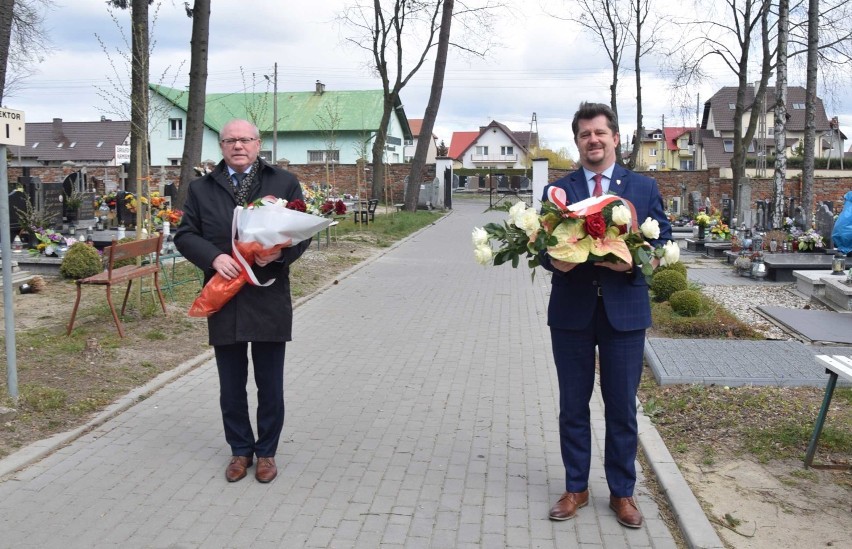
256, 313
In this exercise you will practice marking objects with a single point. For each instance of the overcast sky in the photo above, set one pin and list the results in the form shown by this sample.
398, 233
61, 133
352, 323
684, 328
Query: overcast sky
543, 68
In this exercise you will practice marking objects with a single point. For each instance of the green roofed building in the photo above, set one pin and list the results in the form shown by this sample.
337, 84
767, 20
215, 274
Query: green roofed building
313, 126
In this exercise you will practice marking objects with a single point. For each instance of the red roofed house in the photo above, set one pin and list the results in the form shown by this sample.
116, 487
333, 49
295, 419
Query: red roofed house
411, 144
715, 143
669, 148
493, 146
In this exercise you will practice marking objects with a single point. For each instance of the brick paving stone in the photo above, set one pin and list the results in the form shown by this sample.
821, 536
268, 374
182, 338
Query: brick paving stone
421, 385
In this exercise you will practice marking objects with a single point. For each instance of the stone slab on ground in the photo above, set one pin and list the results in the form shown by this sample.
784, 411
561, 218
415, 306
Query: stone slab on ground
815, 326
809, 283
736, 363
780, 267
717, 248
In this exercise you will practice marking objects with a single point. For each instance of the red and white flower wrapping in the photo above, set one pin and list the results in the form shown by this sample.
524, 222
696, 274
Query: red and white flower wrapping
256, 230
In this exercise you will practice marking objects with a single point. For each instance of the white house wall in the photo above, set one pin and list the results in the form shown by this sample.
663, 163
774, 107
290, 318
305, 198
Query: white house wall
291, 146
494, 138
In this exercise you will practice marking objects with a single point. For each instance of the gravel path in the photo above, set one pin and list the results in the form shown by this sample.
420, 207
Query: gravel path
742, 301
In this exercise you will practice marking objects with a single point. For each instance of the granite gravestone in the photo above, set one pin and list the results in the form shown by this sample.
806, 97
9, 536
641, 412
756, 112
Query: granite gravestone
17, 204
727, 210
695, 203
825, 223
746, 216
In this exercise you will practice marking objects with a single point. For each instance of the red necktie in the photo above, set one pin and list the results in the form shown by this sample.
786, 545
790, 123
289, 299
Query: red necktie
598, 189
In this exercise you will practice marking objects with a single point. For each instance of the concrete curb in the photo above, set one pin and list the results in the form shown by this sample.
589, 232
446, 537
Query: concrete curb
39, 450
691, 519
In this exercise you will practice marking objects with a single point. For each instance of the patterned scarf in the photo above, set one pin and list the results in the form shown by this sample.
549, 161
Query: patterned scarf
242, 191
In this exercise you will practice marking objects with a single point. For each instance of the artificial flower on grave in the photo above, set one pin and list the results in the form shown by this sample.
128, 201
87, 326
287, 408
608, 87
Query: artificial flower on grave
702, 219
323, 201
171, 215
109, 198
721, 230
596, 229
48, 242
810, 240
130, 202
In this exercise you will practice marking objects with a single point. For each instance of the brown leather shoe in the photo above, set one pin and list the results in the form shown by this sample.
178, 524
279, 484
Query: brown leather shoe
626, 511
237, 468
266, 469
568, 504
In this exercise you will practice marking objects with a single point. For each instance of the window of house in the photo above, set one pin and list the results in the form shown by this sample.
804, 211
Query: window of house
482, 149
318, 157
657, 136
507, 150
799, 106
409, 142
770, 132
266, 155
652, 152
100, 144
72, 145
174, 161
175, 128
35, 144
729, 145
683, 143
687, 165
732, 106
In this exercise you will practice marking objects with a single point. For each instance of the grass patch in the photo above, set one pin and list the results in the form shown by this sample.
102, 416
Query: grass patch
387, 228
769, 423
713, 322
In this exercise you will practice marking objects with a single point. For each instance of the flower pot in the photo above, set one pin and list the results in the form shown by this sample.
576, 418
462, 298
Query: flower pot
702, 229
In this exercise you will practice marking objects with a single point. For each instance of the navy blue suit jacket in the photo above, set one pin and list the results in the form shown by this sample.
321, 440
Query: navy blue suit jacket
574, 294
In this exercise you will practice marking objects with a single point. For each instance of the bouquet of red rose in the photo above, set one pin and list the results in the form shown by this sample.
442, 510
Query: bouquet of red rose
266, 225
596, 229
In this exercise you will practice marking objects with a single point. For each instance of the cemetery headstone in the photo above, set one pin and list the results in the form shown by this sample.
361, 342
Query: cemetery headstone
17, 203
746, 216
695, 203
727, 210
48, 201
825, 224
799, 218
760, 215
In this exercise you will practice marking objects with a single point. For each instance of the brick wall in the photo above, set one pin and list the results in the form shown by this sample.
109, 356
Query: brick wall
707, 182
344, 177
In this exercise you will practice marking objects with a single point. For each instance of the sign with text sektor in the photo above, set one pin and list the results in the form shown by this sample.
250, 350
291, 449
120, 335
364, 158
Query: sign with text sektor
12, 127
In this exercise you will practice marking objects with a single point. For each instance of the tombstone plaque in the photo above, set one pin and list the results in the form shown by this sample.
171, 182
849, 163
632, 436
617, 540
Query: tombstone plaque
87, 207
49, 203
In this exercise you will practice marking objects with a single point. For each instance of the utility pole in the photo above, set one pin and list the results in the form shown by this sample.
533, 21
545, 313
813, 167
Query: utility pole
274, 112
275, 115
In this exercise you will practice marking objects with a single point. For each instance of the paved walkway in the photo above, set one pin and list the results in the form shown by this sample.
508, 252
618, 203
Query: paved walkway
421, 412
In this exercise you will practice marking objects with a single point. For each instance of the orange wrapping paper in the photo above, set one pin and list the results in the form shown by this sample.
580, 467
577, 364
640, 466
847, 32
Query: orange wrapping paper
219, 291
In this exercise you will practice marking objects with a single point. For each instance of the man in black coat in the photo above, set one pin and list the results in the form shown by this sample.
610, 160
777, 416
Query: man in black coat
260, 315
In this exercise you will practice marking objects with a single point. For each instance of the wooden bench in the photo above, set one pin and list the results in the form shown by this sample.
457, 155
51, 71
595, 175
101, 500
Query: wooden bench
118, 275
835, 366
366, 211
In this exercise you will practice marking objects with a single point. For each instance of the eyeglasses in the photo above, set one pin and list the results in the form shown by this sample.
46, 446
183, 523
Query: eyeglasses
231, 141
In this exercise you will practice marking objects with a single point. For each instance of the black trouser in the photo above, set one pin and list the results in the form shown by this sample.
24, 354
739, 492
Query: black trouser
232, 363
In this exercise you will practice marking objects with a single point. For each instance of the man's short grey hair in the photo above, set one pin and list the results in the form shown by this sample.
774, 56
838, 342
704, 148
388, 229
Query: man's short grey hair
255, 131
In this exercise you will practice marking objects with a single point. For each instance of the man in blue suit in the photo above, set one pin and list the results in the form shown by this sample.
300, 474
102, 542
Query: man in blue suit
604, 305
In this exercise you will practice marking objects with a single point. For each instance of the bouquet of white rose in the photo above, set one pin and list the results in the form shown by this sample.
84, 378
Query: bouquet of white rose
596, 229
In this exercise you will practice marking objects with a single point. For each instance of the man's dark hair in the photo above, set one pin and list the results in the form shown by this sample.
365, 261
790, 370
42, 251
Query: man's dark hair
587, 111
